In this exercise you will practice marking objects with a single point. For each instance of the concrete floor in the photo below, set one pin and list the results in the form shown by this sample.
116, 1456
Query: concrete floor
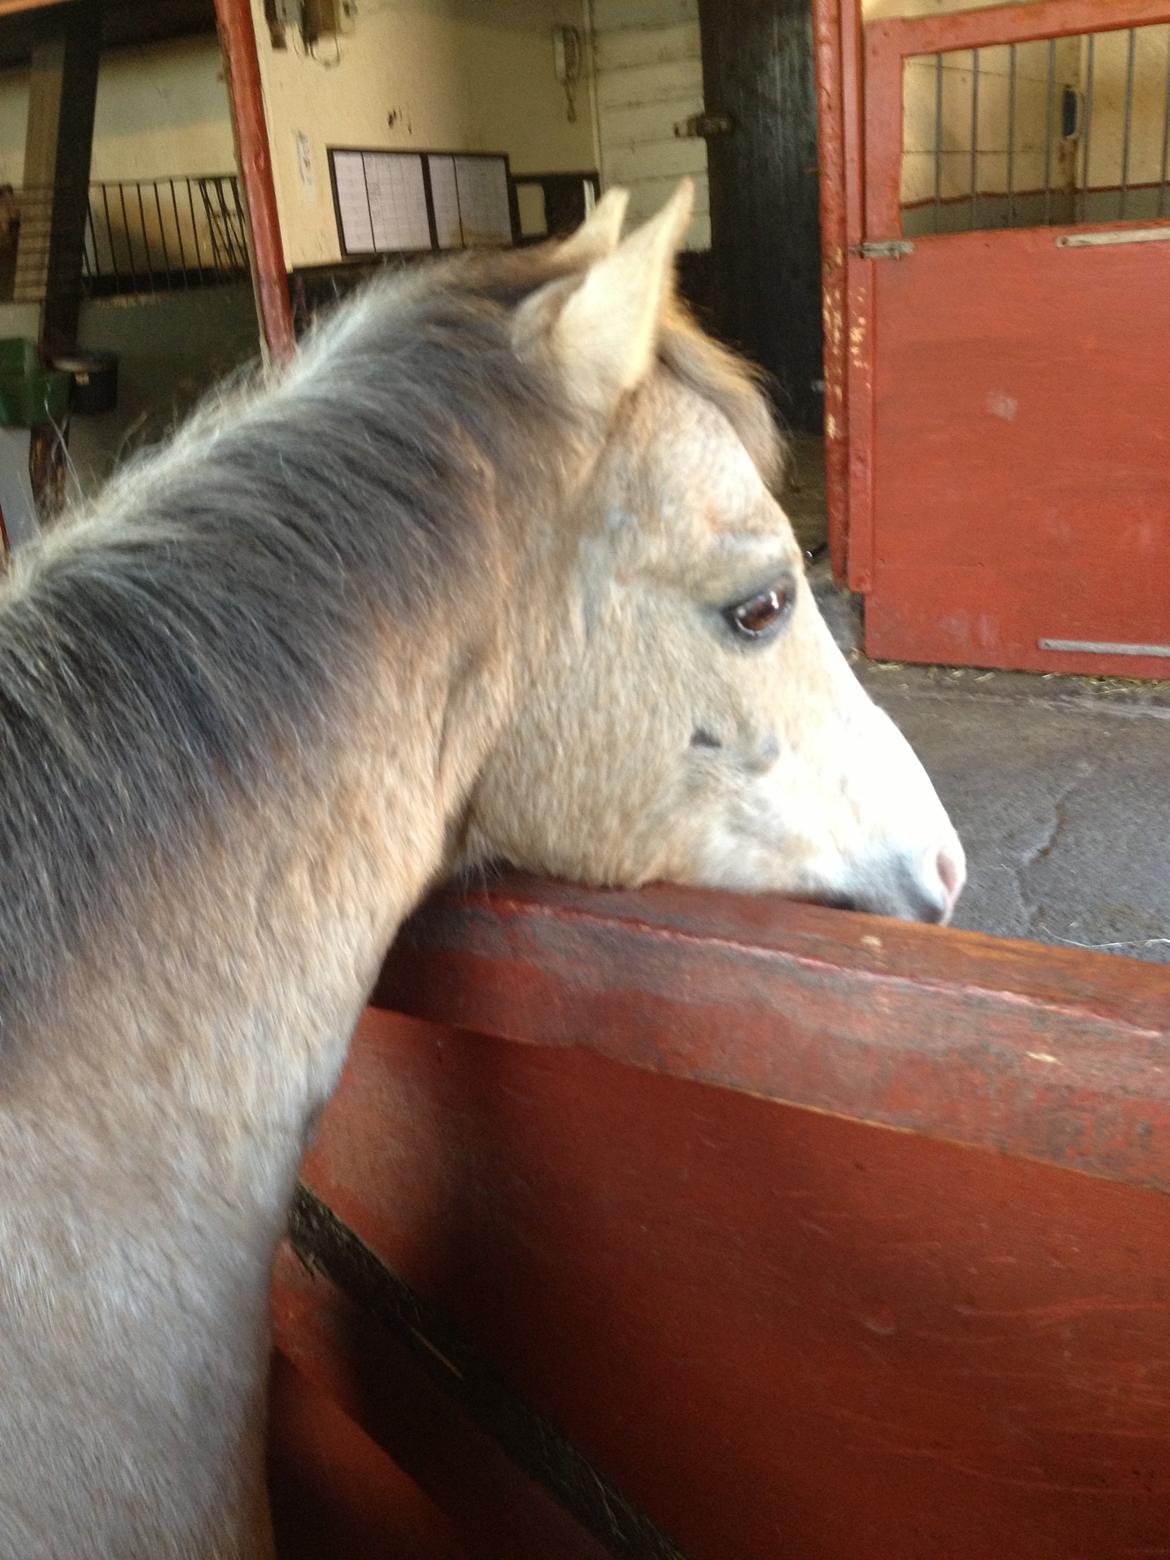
1059, 786
1061, 793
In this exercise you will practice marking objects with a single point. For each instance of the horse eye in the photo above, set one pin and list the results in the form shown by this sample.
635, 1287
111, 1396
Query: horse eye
760, 614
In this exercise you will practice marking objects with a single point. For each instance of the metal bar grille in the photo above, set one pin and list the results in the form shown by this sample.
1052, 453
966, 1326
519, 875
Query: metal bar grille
1063, 130
1048, 124
1087, 143
140, 236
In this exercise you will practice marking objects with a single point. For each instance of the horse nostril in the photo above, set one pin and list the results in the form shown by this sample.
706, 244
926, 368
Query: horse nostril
952, 874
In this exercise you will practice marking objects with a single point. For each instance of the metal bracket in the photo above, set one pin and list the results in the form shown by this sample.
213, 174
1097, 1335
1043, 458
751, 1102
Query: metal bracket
1103, 647
704, 126
888, 249
1150, 235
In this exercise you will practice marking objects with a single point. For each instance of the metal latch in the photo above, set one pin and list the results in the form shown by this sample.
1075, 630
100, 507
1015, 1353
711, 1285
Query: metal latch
704, 126
888, 249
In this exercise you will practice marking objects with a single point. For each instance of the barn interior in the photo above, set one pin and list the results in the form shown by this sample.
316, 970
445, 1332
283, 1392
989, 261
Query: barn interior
959, 467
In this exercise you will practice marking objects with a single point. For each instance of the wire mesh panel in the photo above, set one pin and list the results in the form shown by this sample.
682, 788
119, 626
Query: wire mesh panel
1066, 130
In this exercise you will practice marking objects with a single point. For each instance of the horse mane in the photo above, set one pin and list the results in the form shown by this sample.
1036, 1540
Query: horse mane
161, 646
158, 648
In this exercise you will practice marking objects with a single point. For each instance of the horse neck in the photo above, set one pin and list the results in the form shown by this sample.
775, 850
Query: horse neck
207, 1031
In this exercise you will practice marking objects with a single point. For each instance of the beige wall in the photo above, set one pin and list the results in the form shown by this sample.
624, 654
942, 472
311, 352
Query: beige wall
160, 110
1151, 62
465, 75
1147, 122
649, 74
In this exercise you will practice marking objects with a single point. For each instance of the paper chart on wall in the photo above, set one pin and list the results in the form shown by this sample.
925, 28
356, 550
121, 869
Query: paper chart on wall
381, 201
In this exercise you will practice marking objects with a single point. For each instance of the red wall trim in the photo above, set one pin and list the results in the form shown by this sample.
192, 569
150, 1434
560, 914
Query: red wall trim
831, 157
269, 276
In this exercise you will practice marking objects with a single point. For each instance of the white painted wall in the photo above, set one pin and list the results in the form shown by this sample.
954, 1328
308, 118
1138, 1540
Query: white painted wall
161, 109
431, 75
649, 74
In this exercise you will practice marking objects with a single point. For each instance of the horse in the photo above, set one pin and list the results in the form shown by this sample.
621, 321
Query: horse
493, 569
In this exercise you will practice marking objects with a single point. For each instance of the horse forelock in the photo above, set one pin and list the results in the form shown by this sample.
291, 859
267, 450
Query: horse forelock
729, 383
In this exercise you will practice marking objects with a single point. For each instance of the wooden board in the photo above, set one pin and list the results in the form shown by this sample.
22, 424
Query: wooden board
815, 1235
1021, 434
1008, 483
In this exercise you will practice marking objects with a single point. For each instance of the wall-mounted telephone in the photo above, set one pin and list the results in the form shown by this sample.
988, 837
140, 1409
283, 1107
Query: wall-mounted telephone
567, 64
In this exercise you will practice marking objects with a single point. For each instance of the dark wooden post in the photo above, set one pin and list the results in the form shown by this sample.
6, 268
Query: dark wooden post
58, 147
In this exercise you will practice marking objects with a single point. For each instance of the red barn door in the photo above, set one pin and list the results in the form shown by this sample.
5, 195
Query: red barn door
1009, 329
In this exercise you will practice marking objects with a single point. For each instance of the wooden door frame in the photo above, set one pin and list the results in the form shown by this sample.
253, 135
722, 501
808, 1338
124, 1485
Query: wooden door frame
237, 37
837, 42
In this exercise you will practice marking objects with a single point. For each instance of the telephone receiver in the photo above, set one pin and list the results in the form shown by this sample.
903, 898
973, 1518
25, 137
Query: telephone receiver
567, 55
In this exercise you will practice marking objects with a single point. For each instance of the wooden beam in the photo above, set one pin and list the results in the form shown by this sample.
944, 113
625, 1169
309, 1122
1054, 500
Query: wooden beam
882, 1021
269, 275
58, 147
16, 7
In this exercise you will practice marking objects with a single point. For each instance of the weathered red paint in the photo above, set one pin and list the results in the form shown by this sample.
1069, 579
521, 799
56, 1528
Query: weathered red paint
1021, 428
333, 1353
831, 153
947, 1034
823, 1236
1008, 480
335, 1492
269, 276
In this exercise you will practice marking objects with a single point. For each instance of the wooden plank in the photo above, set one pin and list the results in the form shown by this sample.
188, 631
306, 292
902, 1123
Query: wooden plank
660, 45
374, 1375
334, 1492
626, 127
831, 157
58, 142
16, 7
1053, 1054
781, 1331
1012, 509
1000, 24
765, 213
237, 37
655, 160
621, 15
657, 83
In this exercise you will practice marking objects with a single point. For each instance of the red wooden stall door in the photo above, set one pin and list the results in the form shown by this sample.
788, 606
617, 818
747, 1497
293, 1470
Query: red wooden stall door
746, 1231
1019, 414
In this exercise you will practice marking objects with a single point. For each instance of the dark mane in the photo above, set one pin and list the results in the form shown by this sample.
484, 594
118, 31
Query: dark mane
160, 649
157, 650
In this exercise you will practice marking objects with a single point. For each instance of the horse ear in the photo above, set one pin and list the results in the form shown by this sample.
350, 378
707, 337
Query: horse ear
598, 234
607, 331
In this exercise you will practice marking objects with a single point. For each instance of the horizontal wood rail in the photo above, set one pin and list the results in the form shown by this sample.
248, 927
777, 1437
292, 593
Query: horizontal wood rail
925, 1030
998, 24
671, 1224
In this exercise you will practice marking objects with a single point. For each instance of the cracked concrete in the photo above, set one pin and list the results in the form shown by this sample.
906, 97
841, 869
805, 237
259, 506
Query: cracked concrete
1059, 786
1061, 794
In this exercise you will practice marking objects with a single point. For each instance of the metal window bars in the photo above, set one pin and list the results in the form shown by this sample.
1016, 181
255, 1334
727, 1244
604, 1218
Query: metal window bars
1062, 132
140, 236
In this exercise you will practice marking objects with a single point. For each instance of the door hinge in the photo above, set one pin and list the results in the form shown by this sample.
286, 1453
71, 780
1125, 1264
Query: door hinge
888, 249
704, 126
